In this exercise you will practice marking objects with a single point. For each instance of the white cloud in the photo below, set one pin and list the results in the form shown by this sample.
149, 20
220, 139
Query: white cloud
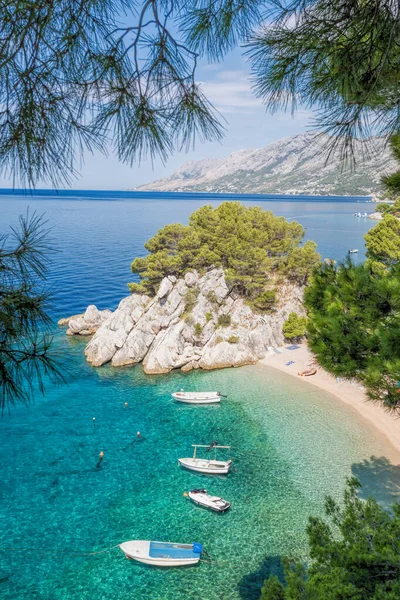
230, 92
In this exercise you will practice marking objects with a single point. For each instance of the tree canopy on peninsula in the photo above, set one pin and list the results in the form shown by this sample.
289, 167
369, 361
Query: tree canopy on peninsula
252, 245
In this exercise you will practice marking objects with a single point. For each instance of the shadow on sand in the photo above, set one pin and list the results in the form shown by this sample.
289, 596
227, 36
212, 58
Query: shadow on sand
379, 478
250, 585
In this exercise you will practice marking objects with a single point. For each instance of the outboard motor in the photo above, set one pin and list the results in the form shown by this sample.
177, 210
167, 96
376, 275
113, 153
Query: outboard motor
198, 548
215, 443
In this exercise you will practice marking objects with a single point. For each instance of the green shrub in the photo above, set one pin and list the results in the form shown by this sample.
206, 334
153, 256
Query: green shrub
191, 299
198, 329
295, 326
208, 317
136, 288
265, 301
212, 297
224, 320
219, 340
233, 339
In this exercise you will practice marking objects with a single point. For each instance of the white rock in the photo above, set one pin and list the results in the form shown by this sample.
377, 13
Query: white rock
89, 322
165, 287
153, 331
168, 351
191, 279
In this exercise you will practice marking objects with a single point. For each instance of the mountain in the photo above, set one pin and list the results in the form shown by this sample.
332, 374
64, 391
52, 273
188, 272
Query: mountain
295, 165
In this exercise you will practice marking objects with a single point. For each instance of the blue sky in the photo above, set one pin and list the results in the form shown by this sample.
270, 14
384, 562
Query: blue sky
248, 125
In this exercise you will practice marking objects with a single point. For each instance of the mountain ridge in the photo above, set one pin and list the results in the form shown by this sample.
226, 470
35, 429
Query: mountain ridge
293, 165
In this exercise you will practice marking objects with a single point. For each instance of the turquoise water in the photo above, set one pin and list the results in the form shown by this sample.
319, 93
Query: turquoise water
291, 445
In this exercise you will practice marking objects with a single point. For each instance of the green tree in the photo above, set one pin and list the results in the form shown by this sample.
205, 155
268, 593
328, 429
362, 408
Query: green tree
353, 325
300, 262
265, 301
25, 345
272, 589
295, 326
383, 241
355, 554
250, 244
340, 55
391, 183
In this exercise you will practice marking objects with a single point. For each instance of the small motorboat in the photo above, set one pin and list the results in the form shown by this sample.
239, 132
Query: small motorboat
162, 554
204, 465
197, 397
202, 498
307, 373
353, 251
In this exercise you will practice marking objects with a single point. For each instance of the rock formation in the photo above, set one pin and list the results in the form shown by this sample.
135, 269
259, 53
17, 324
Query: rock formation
86, 323
194, 322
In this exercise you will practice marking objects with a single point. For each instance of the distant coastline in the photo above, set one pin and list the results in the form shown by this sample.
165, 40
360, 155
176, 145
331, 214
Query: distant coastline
135, 194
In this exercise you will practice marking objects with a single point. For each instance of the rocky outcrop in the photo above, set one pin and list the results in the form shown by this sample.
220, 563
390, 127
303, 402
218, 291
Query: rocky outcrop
86, 323
193, 322
376, 216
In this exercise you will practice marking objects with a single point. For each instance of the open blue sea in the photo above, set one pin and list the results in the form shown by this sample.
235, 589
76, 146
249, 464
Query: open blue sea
291, 443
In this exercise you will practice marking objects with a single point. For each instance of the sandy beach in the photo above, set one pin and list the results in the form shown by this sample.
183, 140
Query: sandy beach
350, 392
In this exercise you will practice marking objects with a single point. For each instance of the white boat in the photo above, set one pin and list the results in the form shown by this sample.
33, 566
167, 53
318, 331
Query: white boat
204, 465
354, 251
162, 554
197, 397
202, 498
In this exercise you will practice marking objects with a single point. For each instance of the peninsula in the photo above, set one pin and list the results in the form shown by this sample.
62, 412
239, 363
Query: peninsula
216, 293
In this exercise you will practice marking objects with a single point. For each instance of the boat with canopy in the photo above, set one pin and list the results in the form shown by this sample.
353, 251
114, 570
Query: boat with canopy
162, 554
204, 465
203, 498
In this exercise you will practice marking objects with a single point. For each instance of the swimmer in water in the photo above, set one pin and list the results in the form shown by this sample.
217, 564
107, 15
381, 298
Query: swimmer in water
101, 456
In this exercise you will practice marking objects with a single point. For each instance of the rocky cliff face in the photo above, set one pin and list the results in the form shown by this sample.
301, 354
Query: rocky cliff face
194, 322
295, 165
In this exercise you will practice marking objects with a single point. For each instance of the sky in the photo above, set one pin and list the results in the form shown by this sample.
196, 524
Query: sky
227, 85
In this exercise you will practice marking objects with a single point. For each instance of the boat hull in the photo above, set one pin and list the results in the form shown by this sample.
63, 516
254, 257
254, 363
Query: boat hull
157, 562
209, 505
206, 467
215, 400
197, 398
139, 551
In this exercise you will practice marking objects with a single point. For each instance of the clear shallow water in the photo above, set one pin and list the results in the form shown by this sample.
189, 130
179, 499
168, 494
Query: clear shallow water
291, 444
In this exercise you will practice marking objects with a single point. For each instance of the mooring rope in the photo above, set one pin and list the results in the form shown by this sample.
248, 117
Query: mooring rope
59, 550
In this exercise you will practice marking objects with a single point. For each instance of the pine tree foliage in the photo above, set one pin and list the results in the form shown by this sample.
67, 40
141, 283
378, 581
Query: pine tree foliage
340, 56
391, 183
354, 326
250, 244
25, 345
76, 74
295, 326
355, 554
383, 241
71, 76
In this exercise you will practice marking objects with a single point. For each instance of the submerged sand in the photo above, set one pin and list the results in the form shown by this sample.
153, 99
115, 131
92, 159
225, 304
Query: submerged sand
351, 392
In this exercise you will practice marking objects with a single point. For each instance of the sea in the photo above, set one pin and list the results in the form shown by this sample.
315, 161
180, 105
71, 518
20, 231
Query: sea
63, 515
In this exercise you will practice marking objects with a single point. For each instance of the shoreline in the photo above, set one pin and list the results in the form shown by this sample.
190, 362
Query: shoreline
353, 394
